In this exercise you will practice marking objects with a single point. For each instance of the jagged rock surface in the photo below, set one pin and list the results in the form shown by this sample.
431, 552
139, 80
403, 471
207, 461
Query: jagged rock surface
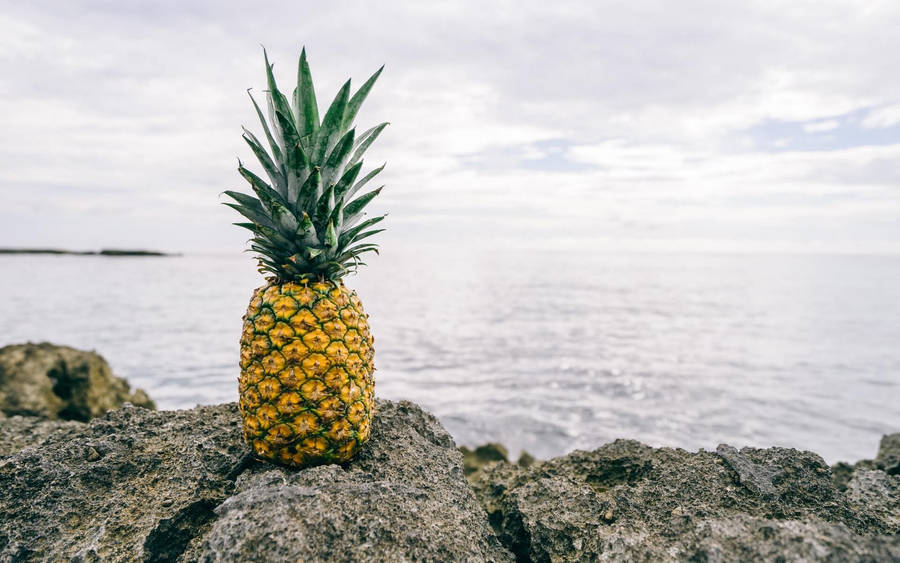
887, 460
404, 498
140, 485
58, 382
626, 501
132, 485
17, 432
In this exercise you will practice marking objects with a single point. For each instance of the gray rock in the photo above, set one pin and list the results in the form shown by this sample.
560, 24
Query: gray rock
526, 459
539, 522
841, 473
403, 499
744, 538
888, 458
876, 493
162, 486
757, 478
473, 460
133, 485
58, 382
488, 454
17, 432
627, 501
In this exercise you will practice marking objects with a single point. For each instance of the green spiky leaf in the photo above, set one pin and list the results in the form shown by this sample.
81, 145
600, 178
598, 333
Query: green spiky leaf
334, 166
331, 129
359, 97
357, 204
359, 185
246, 200
305, 105
324, 206
308, 234
273, 171
263, 191
310, 190
347, 180
276, 150
279, 102
348, 236
366, 140
258, 217
331, 238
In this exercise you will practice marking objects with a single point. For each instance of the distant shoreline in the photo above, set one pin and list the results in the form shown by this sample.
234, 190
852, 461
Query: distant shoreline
103, 252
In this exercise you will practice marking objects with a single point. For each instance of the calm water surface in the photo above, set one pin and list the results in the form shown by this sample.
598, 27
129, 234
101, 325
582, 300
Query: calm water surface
546, 351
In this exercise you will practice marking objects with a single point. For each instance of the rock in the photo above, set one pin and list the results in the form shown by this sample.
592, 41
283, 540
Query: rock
133, 485
404, 498
473, 460
526, 460
757, 478
58, 382
484, 455
137, 484
17, 432
841, 473
179, 485
888, 458
877, 493
628, 501
538, 521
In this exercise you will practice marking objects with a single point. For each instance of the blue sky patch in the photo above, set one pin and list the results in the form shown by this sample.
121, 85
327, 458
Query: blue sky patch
832, 133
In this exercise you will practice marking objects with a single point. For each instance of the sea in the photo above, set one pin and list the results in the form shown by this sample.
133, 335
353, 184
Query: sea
545, 351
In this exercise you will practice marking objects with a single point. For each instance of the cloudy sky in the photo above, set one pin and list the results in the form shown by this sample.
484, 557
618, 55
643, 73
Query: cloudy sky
718, 126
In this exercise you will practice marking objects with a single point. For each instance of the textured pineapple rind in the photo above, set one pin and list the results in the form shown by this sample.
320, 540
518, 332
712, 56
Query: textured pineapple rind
306, 385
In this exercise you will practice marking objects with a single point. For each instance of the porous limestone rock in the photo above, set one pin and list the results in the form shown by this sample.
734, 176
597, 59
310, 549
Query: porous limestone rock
59, 382
626, 501
404, 498
132, 485
141, 485
17, 432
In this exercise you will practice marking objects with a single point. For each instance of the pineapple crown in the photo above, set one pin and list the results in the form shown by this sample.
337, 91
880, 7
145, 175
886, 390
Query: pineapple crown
307, 221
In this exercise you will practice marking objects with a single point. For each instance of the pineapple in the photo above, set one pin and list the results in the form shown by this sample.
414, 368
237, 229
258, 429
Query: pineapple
306, 385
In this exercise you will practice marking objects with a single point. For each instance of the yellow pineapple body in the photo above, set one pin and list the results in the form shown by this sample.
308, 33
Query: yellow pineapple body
306, 386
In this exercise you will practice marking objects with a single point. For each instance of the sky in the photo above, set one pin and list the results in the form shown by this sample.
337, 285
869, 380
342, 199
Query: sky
637, 126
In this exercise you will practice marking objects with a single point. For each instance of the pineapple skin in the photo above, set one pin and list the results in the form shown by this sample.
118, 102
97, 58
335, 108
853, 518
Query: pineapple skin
306, 386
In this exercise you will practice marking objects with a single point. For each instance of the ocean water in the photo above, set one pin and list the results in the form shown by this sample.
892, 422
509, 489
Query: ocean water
546, 351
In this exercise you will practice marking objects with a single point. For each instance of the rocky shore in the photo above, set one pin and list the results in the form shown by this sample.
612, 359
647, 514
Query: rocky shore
134, 484
629, 501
